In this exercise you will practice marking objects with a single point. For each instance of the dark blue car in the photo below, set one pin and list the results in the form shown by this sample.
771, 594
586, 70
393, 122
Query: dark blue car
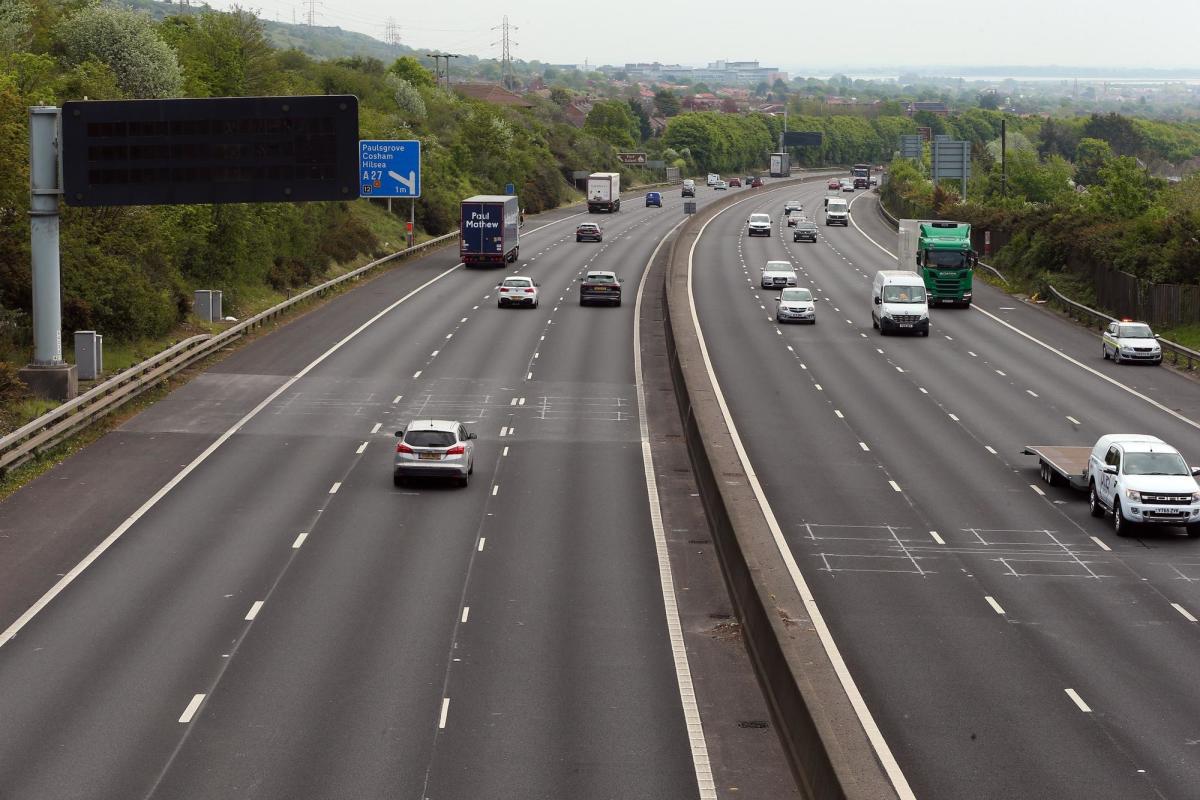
653, 199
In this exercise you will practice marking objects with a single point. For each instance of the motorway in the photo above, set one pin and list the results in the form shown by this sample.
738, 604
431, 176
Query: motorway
270, 618
1007, 644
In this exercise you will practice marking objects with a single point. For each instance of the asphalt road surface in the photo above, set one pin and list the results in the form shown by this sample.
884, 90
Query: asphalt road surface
1007, 644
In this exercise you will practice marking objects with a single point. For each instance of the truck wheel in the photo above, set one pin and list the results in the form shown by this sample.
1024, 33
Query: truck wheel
1121, 525
1094, 506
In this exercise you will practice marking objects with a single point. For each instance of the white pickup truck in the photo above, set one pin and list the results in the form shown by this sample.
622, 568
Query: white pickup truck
1139, 479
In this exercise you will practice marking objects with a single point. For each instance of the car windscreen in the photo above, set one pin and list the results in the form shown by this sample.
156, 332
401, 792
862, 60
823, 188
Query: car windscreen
903, 294
1135, 332
808, 226
760, 217
517, 283
429, 438
946, 259
778, 266
1155, 464
601, 278
795, 295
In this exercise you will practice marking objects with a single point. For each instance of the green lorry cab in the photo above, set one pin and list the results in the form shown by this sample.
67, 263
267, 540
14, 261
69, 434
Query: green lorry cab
940, 252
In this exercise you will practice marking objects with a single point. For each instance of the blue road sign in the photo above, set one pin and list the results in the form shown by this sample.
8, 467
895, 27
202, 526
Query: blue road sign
510, 188
389, 168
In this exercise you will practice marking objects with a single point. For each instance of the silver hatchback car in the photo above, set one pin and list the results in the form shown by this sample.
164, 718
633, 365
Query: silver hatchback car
434, 448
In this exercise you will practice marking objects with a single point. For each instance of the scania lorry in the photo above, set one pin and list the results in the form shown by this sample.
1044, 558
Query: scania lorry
940, 252
488, 231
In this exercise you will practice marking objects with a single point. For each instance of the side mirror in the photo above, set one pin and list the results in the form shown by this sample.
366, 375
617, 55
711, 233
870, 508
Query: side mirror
472, 435
877, 300
399, 433
536, 283
1195, 471
620, 280
1111, 469
778, 299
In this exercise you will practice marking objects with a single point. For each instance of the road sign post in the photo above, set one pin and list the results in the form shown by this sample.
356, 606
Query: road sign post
389, 168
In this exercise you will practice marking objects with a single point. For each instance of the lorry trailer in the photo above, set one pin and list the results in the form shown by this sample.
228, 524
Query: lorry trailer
604, 192
489, 229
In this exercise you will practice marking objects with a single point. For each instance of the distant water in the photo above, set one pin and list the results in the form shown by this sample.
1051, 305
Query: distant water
1193, 80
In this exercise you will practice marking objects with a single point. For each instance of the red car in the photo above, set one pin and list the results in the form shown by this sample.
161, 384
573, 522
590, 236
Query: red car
835, 184
735, 182
757, 182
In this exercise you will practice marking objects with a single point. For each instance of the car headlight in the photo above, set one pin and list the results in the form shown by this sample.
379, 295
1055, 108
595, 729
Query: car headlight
1133, 495
1196, 497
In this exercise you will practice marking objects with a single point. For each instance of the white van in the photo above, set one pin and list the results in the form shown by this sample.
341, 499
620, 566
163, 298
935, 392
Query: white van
713, 178
899, 302
837, 211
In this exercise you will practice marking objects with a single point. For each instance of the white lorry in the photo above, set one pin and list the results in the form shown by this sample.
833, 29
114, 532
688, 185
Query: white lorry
1139, 479
604, 192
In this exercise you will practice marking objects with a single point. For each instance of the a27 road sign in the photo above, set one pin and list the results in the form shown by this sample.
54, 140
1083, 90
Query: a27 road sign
389, 168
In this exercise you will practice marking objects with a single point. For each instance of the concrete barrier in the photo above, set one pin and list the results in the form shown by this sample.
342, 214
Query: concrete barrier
829, 749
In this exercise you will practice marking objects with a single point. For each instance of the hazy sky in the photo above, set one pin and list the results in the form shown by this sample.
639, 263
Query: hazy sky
797, 37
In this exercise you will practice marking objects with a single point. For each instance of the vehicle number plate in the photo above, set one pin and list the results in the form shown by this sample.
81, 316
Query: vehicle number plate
599, 288
430, 456
905, 324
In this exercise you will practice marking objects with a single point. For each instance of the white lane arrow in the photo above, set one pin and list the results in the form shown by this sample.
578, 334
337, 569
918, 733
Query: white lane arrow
410, 181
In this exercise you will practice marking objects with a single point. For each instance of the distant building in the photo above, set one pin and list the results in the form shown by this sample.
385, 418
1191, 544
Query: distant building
491, 93
932, 106
725, 73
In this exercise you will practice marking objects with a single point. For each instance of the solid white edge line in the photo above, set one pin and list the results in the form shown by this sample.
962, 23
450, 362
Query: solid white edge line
995, 606
1051, 348
445, 713
66, 580
254, 609
1186, 614
192, 707
865, 718
1084, 707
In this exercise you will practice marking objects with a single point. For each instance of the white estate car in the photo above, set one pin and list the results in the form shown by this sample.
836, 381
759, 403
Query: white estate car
778, 274
1130, 341
758, 225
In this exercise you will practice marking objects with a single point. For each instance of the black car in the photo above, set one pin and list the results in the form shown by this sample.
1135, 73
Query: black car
599, 286
588, 232
689, 191
805, 232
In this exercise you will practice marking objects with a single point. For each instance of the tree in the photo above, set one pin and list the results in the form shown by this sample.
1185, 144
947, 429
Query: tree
561, 97
667, 102
763, 89
643, 119
1121, 134
408, 99
1056, 139
224, 54
701, 88
409, 69
989, 101
612, 121
1091, 155
144, 64
1125, 191
16, 25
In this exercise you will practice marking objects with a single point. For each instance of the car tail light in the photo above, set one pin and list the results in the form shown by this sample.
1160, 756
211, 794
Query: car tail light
502, 289
457, 450
401, 447
529, 290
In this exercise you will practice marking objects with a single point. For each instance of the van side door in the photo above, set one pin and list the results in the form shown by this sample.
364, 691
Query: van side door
1108, 481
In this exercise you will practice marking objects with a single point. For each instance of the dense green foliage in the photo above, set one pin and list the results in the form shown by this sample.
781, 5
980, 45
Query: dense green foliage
721, 142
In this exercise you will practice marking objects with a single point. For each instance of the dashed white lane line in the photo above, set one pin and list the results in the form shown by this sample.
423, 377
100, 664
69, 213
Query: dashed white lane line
416, 374
376, 427
995, 606
461, 321
397, 399
923, 391
1084, 707
990, 449
953, 417
334, 489
360, 449
789, 347
1031, 392
254, 609
863, 445
445, 713
495, 490
1035, 487
520, 401
505, 451
972, 355
936, 537
529, 376
1186, 614
1001, 373
482, 539
899, 369
299, 541
839, 414
819, 389
878, 350
1100, 543
466, 613
1073, 421
434, 353
894, 485
192, 708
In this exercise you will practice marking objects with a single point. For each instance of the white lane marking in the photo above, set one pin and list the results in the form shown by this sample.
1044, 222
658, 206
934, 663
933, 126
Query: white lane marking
922, 388
877, 350
863, 445
520, 401
989, 448
360, 449
445, 713
482, 539
450, 335
1100, 543
192, 708
894, 485
537, 355
899, 369
416, 374
683, 672
254, 609
461, 321
1034, 486
995, 606
838, 413
949, 338
434, 353
972, 355
495, 490
886, 758
397, 399
466, 613
1001, 372
954, 418
1031, 392
376, 427
529, 376
334, 489
1186, 614
789, 347
937, 538
819, 389
1073, 421
1084, 707
513, 402
505, 451
299, 540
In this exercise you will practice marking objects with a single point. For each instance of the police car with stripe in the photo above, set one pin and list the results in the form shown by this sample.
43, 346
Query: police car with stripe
1126, 340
